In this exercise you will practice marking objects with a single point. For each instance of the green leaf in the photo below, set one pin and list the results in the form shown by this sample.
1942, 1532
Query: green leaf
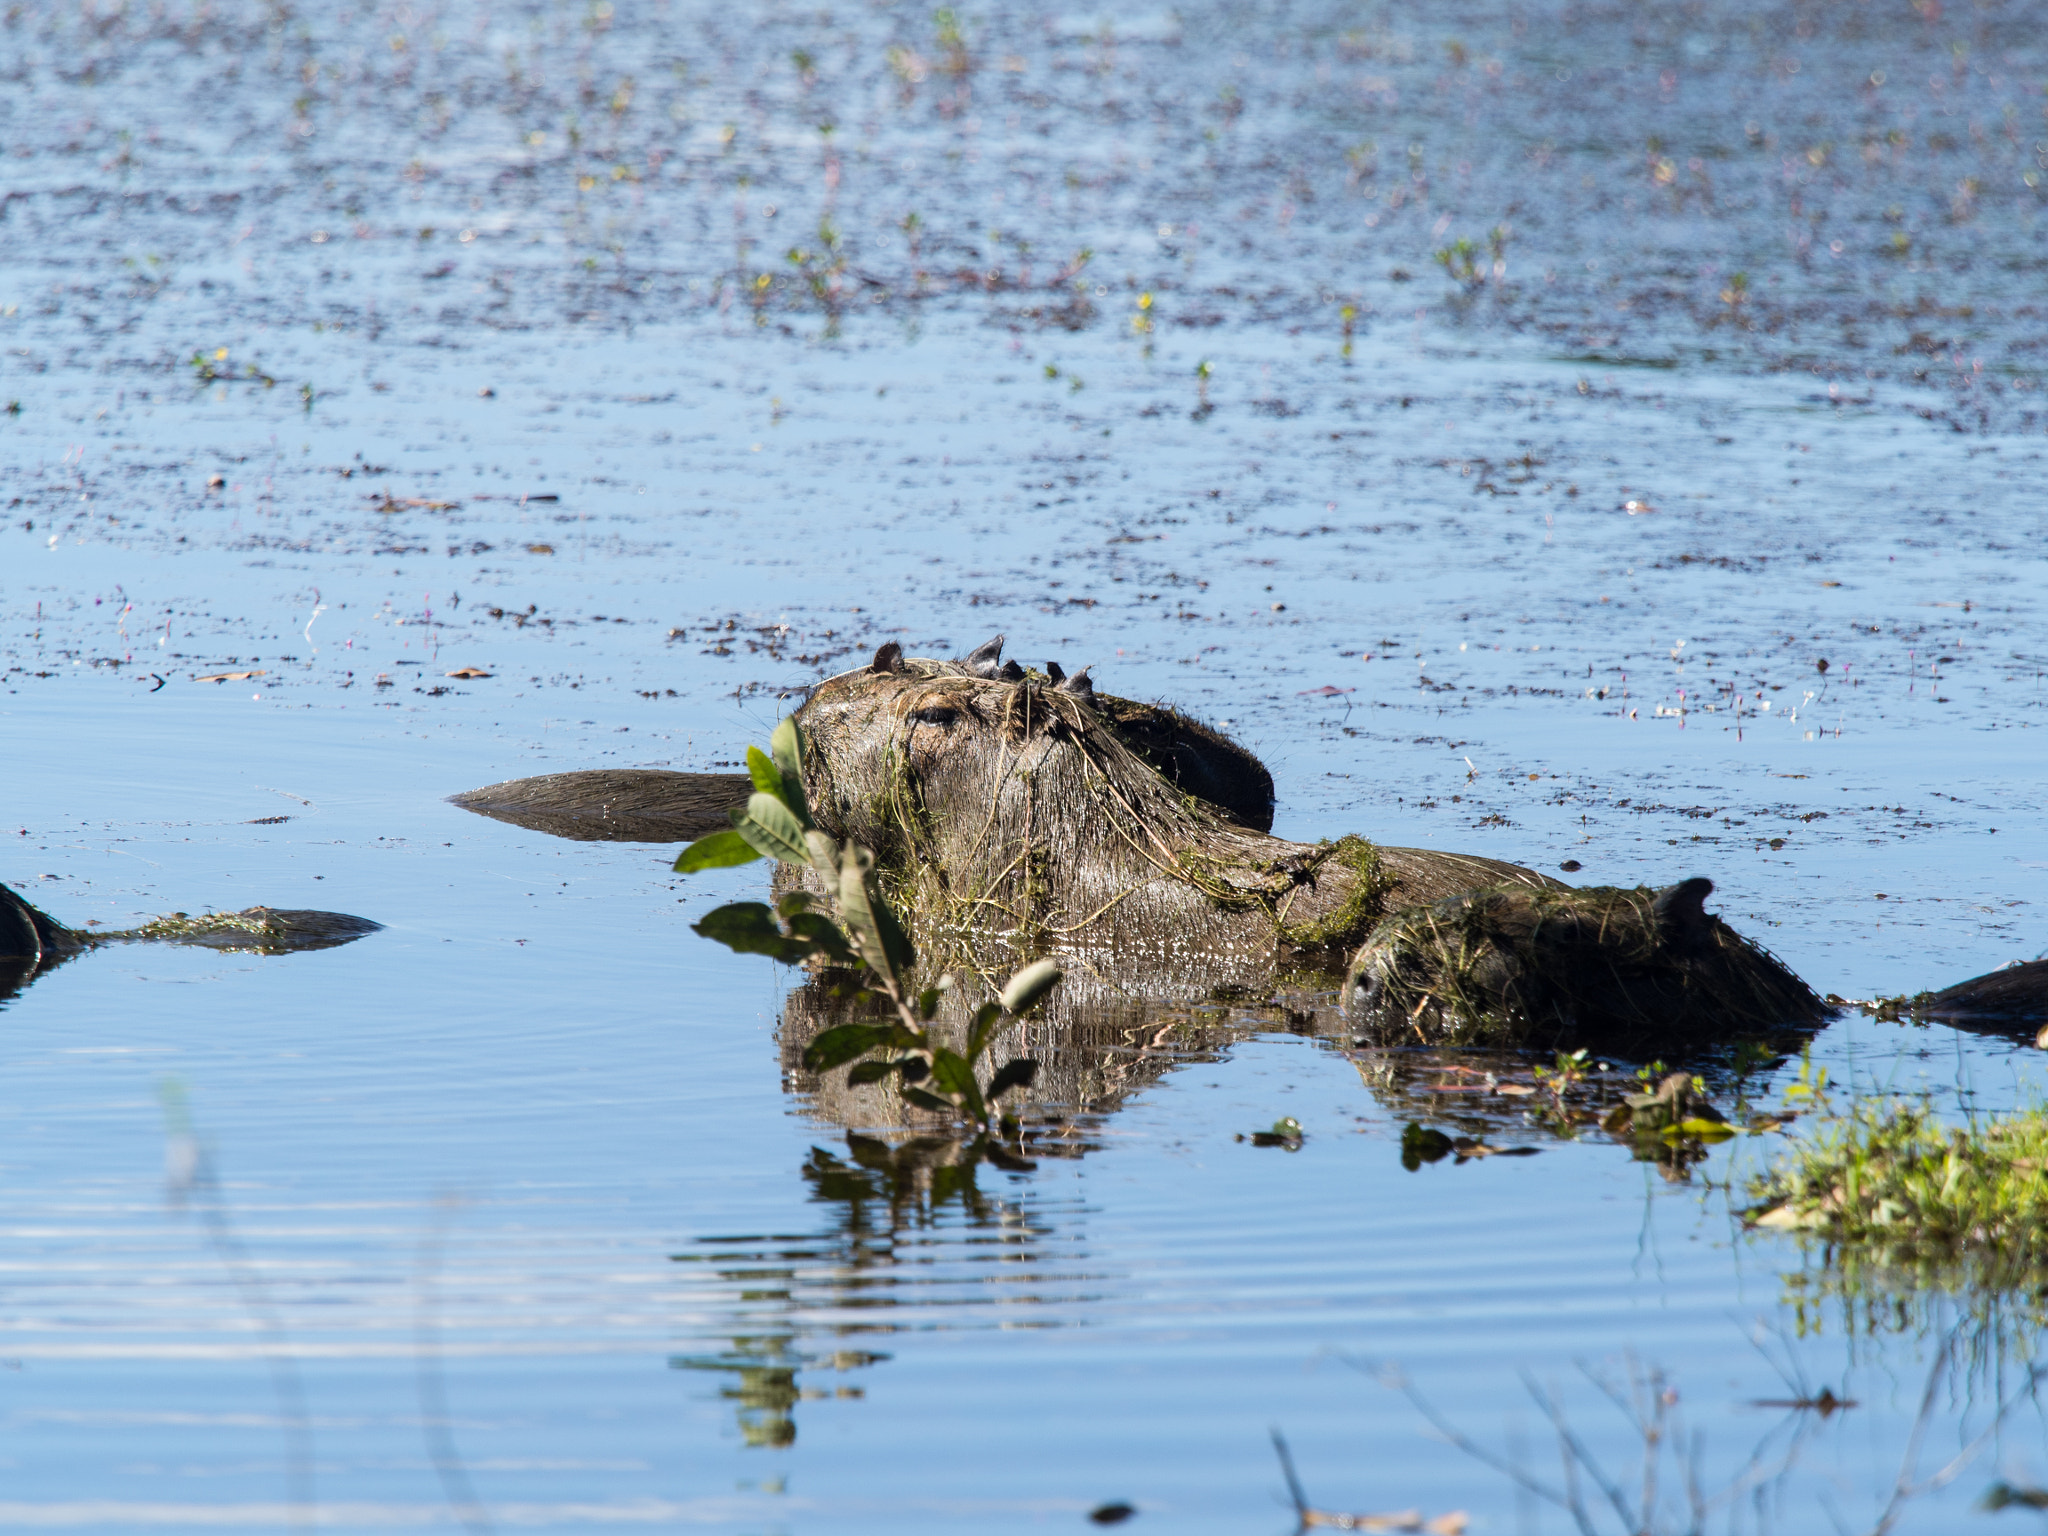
793, 902
824, 858
895, 942
766, 776
823, 935
1012, 1074
718, 851
842, 1044
769, 827
870, 1072
787, 746
1704, 1130
928, 1002
749, 927
1030, 984
952, 1076
982, 1030
1421, 1144
875, 932
924, 1100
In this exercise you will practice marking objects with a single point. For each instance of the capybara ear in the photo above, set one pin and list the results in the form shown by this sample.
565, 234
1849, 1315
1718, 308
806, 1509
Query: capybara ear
981, 661
889, 658
1056, 672
1011, 673
1080, 683
1681, 910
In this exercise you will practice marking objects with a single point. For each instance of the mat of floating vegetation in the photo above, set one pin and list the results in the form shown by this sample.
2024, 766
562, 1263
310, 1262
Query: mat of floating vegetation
1901, 1198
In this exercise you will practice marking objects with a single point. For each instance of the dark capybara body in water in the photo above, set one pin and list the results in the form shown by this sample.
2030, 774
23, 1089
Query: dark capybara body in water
1016, 812
32, 943
1012, 809
1639, 972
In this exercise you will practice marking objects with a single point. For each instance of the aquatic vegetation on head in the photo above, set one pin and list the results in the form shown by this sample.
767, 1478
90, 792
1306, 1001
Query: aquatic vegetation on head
1023, 810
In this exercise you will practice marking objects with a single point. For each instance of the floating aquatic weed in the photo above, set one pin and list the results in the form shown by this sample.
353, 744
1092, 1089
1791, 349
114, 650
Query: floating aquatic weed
1286, 1132
1460, 261
213, 369
1901, 1201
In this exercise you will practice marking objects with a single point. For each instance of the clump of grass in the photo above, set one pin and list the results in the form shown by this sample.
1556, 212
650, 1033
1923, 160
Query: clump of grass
1892, 1189
1462, 262
214, 369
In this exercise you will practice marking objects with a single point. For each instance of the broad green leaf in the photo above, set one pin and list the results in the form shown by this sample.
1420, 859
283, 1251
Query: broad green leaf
950, 1072
856, 906
824, 857
1012, 1074
869, 1071
766, 776
749, 927
902, 953
986, 1019
1704, 1130
767, 824
787, 745
823, 935
842, 1044
877, 934
718, 851
928, 1002
1030, 984
952, 1076
924, 1100
793, 902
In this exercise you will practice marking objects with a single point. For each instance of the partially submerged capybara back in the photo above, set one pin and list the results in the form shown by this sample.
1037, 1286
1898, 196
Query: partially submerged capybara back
1636, 972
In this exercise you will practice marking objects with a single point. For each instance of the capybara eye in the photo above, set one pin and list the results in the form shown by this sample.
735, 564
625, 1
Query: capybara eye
934, 714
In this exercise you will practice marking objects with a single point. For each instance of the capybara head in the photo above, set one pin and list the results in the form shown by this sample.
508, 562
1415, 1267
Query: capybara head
1025, 804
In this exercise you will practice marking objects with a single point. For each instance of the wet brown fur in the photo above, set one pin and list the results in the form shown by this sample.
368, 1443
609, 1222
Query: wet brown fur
1638, 972
1013, 813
